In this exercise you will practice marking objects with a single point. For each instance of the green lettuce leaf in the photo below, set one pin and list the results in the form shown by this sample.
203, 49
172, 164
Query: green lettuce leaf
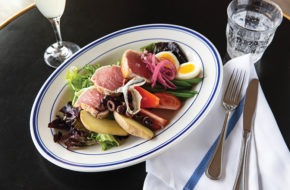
106, 141
80, 78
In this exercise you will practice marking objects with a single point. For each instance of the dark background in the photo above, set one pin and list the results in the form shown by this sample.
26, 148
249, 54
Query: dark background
23, 71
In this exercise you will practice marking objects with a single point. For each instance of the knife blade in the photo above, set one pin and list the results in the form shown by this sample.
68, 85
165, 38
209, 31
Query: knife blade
250, 104
241, 182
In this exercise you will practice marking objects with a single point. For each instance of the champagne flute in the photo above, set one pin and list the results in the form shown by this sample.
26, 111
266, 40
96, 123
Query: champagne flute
59, 51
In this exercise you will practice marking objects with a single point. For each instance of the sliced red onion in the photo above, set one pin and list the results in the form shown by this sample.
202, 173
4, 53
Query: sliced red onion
163, 71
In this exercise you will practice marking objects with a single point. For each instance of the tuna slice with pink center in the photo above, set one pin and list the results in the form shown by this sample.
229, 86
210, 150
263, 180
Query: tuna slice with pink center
107, 79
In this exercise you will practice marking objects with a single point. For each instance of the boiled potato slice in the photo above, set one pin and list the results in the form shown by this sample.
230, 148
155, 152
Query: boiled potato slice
104, 126
133, 127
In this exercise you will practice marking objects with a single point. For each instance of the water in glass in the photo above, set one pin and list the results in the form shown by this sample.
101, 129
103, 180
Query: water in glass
251, 29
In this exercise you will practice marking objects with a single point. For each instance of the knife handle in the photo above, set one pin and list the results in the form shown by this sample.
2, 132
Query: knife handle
241, 182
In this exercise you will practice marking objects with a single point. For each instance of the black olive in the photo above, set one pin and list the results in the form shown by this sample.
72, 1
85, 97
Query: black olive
138, 117
147, 122
111, 105
121, 109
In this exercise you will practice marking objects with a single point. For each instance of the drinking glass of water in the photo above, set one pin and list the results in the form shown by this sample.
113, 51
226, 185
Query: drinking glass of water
58, 52
251, 27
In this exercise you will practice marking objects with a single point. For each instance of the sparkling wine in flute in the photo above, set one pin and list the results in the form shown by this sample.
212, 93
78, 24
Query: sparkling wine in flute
58, 52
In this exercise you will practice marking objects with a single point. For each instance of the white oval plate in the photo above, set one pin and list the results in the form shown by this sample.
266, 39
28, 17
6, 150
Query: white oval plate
107, 50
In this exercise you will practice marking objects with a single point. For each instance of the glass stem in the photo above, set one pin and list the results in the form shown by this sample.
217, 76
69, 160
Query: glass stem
55, 23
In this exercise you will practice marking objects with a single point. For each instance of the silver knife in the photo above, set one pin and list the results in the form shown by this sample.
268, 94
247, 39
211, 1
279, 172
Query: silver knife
241, 182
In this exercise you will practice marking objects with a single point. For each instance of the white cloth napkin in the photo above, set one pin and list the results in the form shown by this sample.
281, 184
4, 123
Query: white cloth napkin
183, 166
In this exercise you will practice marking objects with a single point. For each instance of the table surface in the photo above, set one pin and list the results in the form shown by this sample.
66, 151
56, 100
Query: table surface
23, 71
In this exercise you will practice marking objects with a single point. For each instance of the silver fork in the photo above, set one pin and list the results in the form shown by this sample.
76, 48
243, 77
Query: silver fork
231, 100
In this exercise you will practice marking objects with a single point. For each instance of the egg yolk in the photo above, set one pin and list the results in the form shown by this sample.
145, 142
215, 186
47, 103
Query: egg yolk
167, 57
186, 68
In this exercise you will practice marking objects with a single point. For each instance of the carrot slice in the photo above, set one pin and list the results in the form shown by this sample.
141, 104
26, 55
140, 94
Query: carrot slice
148, 100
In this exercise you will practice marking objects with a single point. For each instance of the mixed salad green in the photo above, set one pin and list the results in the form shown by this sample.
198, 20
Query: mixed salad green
70, 130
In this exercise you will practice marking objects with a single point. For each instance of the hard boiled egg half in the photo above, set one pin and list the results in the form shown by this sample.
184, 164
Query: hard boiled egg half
167, 55
188, 70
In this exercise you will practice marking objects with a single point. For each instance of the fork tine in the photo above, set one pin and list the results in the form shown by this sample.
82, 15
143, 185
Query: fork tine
239, 85
242, 84
235, 85
229, 89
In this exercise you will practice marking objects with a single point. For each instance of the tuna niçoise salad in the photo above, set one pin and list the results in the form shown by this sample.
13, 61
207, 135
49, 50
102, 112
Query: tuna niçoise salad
116, 101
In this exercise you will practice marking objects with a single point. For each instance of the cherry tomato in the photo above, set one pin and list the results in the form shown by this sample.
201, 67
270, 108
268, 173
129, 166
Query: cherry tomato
168, 101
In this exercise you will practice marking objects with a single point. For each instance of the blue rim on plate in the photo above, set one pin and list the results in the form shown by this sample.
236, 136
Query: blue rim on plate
40, 139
